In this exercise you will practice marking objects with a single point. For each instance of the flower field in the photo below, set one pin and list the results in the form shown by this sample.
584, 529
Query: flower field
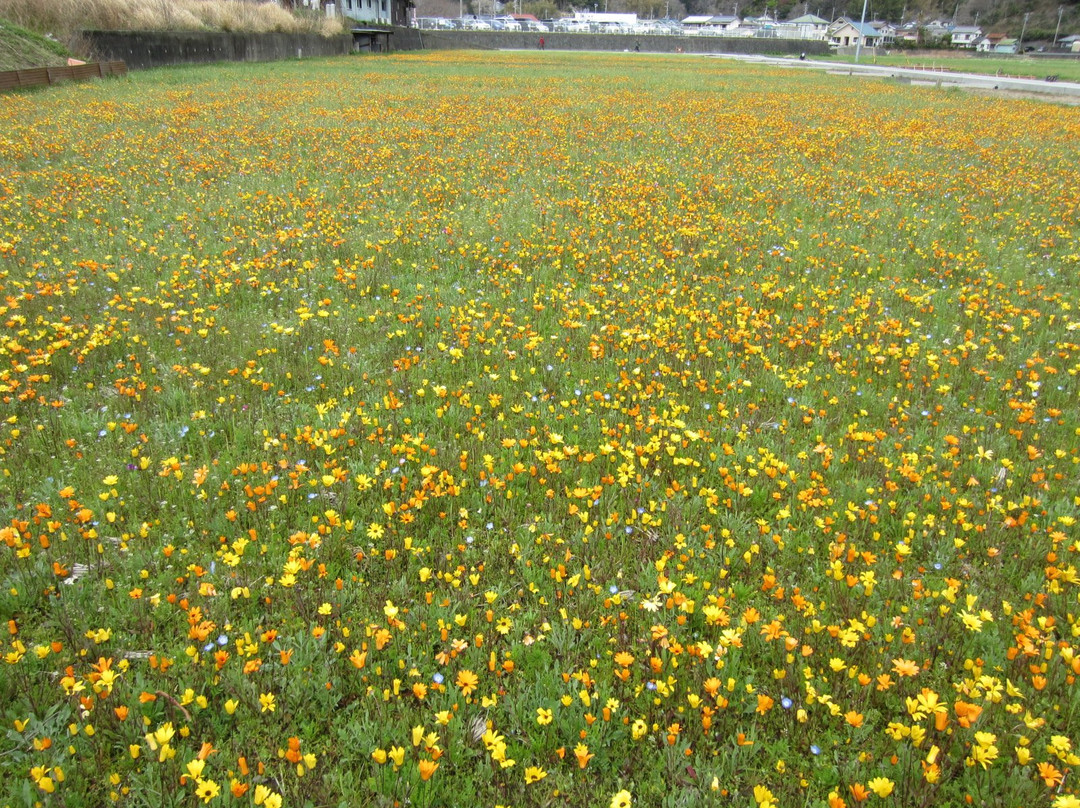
537, 429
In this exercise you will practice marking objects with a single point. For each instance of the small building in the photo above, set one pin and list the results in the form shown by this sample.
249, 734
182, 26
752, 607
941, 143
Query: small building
1070, 43
377, 12
1006, 45
965, 36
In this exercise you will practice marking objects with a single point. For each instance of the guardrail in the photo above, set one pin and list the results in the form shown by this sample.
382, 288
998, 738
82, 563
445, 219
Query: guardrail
44, 76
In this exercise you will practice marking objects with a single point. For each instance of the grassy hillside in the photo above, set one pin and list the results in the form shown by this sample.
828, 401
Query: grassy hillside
20, 48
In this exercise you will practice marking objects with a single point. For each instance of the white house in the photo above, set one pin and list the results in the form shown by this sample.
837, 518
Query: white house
965, 36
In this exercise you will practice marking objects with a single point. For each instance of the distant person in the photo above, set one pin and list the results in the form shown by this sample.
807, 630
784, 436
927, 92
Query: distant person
541, 43
637, 47
802, 57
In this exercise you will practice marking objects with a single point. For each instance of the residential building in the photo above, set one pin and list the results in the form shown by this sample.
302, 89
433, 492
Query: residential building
965, 36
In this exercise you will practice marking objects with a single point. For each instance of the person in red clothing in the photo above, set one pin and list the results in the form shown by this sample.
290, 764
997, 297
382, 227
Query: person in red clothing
541, 43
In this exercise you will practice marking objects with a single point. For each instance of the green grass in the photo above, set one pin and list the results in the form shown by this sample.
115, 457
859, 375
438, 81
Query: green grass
576, 423
1064, 69
20, 48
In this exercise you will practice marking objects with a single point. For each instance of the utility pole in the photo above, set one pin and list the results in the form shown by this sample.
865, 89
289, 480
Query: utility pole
862, 32
1023, 30
1058, 29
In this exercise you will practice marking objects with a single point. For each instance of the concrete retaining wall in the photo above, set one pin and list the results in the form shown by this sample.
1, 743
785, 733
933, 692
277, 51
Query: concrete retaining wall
145, 49
653, 43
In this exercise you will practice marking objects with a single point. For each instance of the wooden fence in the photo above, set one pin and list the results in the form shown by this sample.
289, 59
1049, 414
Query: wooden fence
39, 76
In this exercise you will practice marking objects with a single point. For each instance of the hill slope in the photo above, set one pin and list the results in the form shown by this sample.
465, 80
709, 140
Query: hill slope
20, 48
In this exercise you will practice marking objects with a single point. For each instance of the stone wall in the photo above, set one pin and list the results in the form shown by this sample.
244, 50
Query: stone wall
651, 43
144, 49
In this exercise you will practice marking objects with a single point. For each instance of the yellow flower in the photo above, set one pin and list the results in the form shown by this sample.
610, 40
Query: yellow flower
207, 790
882, 786
267, 702
621, 799
264, 796
534, 774
544, 716
467, 681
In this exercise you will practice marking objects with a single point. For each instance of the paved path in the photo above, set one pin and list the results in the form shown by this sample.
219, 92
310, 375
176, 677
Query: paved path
1067, 91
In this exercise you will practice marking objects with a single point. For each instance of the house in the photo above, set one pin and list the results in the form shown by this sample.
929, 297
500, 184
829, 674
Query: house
965, 36
936, 31
711, 24
837, 24
853, 34
908, 33
808, 26
887, 31
996, 43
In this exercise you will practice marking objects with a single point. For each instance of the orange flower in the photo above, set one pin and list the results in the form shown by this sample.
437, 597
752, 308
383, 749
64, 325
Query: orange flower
905, 667
859, 792
1050, 775
427, 768
583, 755
966, 714
764, 703
854, 718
